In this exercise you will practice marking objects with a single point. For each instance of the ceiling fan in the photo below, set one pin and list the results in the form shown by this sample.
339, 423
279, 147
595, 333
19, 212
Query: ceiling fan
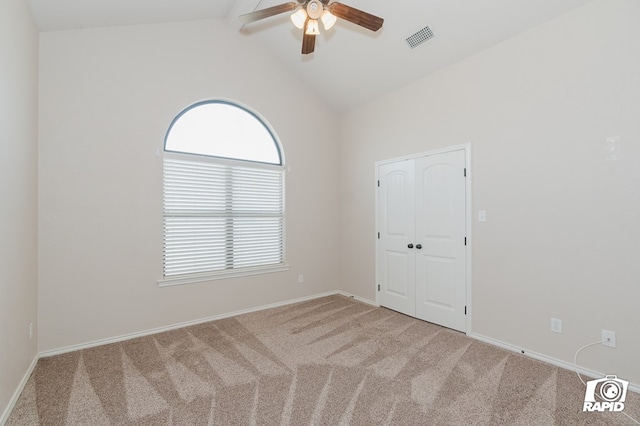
308, 12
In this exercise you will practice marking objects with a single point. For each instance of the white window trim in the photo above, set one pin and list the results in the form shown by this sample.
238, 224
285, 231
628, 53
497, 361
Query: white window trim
222, 275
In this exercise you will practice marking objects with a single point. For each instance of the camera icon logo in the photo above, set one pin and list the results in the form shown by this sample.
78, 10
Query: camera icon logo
606, 394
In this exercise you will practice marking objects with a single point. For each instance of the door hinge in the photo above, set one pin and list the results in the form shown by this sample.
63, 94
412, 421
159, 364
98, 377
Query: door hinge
378, 184
465, 310
465, 172
378, 287
378, 235
465, 241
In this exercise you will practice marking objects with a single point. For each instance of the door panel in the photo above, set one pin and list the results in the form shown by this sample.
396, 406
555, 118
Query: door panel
397, 265
439, 272
396, 187
438, 200
441, 229
396, 262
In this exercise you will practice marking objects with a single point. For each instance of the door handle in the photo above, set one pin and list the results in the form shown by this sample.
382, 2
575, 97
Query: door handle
410, 246
419, 246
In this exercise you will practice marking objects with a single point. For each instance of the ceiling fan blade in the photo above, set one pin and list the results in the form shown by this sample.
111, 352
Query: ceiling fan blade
265, 13
356, 16
308, 43
308, 40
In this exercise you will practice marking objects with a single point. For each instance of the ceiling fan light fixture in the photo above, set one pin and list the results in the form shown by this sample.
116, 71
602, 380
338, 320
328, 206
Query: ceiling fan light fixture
305, 15
312, 27
328, 19
299, 17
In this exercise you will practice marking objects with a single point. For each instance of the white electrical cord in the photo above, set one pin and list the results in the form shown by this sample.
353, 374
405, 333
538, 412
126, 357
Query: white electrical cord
575, 357
575, 367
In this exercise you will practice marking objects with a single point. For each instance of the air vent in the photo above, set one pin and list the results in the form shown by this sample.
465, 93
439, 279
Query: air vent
420, 37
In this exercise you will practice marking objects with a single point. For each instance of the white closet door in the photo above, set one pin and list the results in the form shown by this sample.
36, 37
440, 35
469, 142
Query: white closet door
440, 239
396, 216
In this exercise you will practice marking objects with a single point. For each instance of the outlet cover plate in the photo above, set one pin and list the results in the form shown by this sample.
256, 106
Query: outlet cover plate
556, 325
609, 338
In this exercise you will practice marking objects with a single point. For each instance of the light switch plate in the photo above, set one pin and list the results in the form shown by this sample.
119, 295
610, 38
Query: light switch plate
482, 215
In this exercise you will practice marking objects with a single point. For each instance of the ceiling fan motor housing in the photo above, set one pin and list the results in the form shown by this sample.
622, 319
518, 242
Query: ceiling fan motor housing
314, 9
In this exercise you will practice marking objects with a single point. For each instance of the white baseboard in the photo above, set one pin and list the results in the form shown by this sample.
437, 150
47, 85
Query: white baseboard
144, 333
545, 358
18, 392
358, 298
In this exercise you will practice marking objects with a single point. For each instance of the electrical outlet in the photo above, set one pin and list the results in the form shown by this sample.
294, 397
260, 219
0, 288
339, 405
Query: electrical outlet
300, 278
30, 330
609, 338
556, 325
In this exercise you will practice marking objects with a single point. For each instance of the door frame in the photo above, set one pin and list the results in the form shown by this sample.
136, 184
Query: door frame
466, 147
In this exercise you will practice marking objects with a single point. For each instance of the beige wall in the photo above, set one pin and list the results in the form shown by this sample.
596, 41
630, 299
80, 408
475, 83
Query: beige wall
107, 98
18, 187
562, 235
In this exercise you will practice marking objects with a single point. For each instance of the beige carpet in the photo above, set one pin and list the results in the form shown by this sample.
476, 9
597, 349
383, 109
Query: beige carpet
329, 361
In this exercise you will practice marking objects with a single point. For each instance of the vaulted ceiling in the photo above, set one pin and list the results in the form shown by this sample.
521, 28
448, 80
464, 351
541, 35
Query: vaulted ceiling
350, 65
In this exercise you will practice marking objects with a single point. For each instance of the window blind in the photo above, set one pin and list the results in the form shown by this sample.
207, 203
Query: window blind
220, 217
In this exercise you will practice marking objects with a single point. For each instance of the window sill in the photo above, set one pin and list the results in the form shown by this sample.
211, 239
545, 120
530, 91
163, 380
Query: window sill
221, 275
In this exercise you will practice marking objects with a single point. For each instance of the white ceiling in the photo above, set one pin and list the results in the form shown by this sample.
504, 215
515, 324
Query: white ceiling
350, 65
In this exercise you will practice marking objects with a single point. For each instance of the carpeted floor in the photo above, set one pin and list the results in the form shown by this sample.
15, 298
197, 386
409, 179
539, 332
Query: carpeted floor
329, 361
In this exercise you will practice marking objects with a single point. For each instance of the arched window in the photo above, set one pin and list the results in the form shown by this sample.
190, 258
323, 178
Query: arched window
223, 129
223, 191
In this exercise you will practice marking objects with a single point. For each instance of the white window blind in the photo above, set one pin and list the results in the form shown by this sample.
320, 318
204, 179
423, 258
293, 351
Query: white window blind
221, 217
